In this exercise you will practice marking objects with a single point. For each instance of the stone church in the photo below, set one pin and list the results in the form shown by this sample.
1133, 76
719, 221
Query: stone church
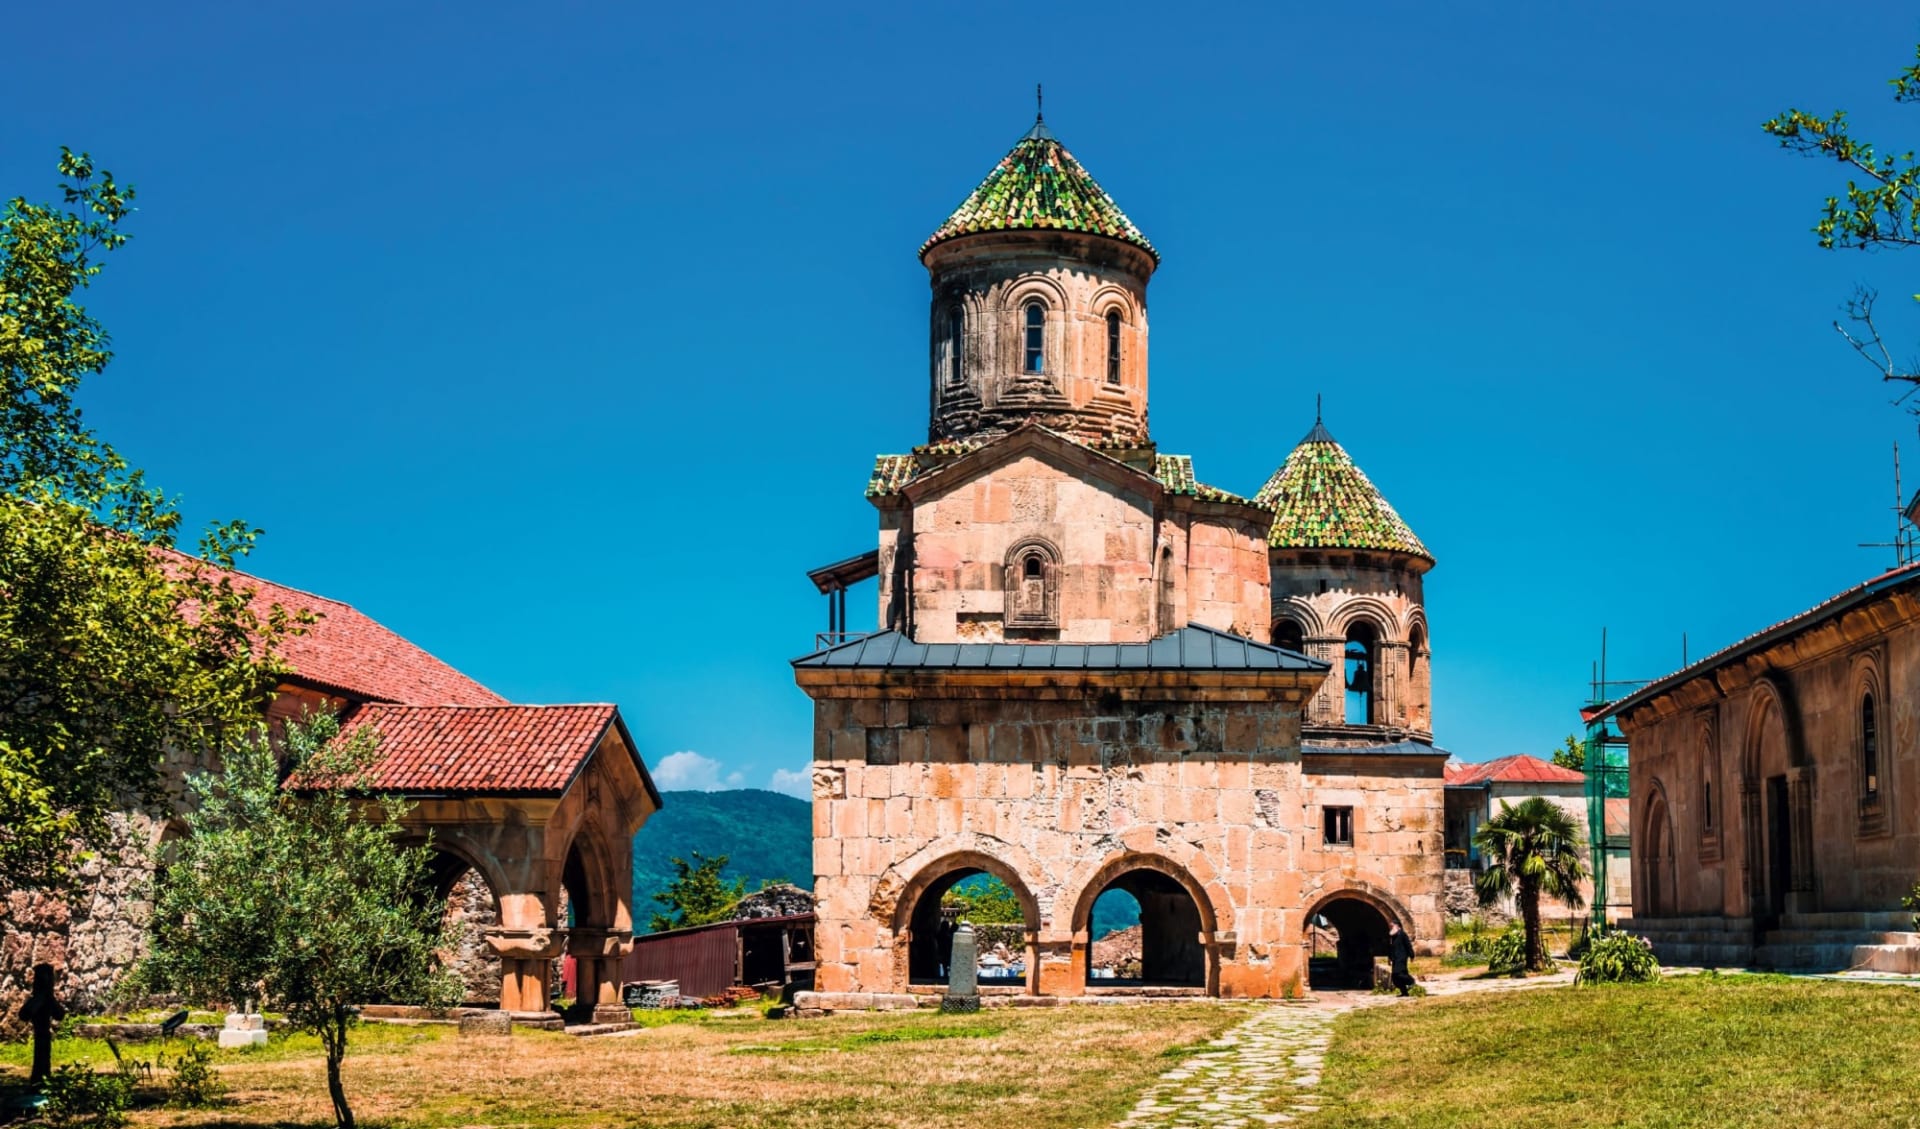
1095, 671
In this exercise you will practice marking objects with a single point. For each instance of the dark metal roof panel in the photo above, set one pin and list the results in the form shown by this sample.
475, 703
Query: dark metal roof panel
1191, 648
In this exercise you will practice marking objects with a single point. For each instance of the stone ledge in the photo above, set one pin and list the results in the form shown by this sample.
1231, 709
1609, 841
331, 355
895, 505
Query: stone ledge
829, 1002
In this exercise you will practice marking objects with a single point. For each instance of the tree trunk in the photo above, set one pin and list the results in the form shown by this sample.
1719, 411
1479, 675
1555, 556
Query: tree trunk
335, 1040
1530, 915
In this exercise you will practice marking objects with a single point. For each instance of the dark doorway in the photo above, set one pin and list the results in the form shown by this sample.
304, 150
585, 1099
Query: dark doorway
1343, 948
1779, 846
1170, 953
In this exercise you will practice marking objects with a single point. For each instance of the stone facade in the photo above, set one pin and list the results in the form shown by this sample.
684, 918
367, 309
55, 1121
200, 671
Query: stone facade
1776, 785
1075, 688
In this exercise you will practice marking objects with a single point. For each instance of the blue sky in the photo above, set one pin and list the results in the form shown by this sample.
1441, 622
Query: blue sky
562, 343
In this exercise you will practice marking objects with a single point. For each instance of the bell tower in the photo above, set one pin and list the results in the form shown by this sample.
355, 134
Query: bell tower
1039, 305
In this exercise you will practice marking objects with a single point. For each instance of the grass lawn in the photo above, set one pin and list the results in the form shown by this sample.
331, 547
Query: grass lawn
1031, 1068
1717, 1051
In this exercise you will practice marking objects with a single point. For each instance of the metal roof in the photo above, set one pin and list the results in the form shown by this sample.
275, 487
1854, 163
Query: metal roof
1384, 749
1190, 648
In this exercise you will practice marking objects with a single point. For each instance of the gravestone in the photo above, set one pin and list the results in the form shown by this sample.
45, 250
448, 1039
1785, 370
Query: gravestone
244, 1029
485, 1024
963, 973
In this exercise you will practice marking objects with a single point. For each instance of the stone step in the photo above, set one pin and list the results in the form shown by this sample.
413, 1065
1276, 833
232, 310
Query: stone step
1648, 925
1693, 955
1828, 957
1796, 936
1900, 960
1885, 921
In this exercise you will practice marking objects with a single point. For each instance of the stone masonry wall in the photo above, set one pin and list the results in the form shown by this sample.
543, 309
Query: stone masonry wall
1059, 797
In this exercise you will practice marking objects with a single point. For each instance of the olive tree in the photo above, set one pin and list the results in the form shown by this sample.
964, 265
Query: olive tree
298, 890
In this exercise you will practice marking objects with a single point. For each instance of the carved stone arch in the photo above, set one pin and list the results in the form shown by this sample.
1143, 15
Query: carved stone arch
1770, 697
1302, 612
973, 312
1374, 611
596, 874
1416, 620
453, 845
1016, 296
1374, 893
1155, 878
1111, 297
900, 892
1154, 847
1711, 791
1031, 576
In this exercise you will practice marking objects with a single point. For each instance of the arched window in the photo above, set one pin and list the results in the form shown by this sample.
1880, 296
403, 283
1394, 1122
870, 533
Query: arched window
1113, 346
956, 345
1362, 663
1869, 748
1036, 346
1288, 636
1033, 586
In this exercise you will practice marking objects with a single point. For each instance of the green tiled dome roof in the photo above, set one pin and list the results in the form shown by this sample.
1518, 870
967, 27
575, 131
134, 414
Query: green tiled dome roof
1040, 186
1321, 500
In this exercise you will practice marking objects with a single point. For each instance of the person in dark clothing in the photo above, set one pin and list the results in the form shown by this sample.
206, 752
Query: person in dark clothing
1399, 952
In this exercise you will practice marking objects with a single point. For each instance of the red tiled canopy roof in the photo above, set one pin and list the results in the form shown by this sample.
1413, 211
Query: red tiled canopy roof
492, 749
347, 653
1519, 769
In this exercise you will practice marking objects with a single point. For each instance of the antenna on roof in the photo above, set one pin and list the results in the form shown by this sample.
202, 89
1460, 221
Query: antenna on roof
1904, 531
1039, 104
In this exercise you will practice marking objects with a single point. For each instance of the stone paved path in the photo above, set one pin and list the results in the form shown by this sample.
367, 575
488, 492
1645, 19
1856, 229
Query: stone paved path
1262, 1072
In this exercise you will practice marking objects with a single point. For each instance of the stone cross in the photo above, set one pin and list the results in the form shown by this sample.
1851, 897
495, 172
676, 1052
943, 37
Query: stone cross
963, 973
41, 1012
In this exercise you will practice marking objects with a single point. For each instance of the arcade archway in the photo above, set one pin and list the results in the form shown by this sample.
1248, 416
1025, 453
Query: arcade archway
1169, 951
1345, 933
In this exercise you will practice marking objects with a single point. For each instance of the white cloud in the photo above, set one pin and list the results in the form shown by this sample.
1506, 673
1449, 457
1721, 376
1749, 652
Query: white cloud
690, 772
797, 783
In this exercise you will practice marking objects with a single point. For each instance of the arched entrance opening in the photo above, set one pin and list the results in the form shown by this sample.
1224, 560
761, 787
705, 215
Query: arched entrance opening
1162, 951
1657, 873
472, 908
1344, 934
984, 899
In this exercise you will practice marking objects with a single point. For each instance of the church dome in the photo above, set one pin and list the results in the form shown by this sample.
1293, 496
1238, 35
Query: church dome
1039, 186
1321, 500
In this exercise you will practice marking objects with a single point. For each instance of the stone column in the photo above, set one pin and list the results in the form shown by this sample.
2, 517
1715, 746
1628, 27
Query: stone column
598, 955
1800, 891
1063, 963
526, 968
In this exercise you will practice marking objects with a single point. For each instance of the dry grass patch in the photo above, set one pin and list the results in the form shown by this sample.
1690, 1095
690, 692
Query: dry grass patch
1697, 1051
1041, 1068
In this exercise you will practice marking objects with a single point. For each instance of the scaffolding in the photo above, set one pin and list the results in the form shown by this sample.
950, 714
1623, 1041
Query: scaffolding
1606, 768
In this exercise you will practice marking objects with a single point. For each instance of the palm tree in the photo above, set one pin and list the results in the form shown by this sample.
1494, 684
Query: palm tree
1535, 848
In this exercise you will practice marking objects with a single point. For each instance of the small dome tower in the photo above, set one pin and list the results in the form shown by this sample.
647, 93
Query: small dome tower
1039, 304
1347, 588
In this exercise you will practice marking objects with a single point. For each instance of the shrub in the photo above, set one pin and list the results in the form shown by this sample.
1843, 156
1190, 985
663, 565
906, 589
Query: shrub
1475, 938
79, 1096
1618, 958
1507, 954
1912, 902
192, 1083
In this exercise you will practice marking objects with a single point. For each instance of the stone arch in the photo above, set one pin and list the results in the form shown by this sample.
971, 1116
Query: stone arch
1866, 681
1156, 875
459, 857
1770, 700
1656, 854
1710, 791
587, 874
1109, 297
908, 898
1368, 609
1359, 914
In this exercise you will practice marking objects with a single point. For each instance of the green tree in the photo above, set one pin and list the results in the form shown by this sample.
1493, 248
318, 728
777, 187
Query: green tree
985, 900
1881, 209
301, 895
698, 894
113, 649
1571, 754
1530, 850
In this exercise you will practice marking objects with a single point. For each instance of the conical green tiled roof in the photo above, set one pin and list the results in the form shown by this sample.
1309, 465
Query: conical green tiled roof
1321, 500
1038, 185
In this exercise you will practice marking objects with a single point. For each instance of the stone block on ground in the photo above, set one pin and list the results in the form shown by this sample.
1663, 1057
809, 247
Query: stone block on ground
486, 1024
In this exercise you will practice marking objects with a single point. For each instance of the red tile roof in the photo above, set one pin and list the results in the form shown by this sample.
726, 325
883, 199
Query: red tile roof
346, 652
1519, 769
497, 749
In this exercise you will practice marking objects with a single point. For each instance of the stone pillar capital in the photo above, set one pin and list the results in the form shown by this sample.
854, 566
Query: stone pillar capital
582, 941
527, 944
